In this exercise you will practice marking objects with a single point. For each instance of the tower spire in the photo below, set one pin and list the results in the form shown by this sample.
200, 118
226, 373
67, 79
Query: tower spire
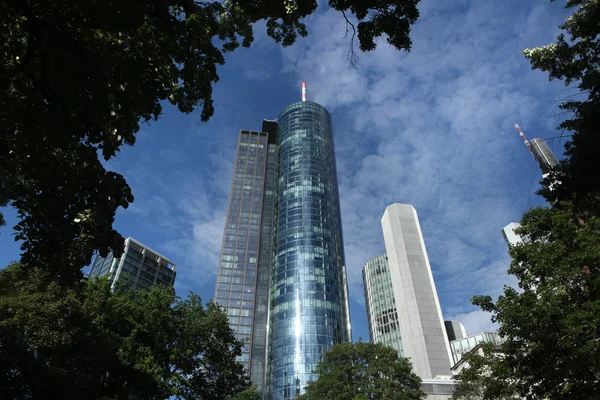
518, 128
303, 91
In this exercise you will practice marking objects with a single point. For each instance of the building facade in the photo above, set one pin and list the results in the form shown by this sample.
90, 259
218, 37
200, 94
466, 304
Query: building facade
282, 277
309, 309
455, 330
382, 313
464, 345
243, 280
424, 338
139, 267
543, 155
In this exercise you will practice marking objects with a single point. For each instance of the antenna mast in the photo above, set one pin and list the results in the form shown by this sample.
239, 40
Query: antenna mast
518, 128
303, 91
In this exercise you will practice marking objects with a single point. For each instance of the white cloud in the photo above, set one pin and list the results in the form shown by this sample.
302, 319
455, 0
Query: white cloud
475, 321
433, 128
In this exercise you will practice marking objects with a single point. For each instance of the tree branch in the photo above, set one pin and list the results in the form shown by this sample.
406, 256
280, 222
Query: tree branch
351, 56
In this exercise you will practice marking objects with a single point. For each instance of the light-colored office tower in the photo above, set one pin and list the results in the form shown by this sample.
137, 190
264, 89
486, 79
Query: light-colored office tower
509, 235
455, 330
139, 267
422, 328
381, 305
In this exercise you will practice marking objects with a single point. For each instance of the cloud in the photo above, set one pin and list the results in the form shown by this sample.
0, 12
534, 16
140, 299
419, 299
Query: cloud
475, 321
433, 128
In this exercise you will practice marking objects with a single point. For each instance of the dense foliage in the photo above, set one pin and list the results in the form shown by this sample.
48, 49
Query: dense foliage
552, 323
360, 371
90, 343
575, 58
77, 78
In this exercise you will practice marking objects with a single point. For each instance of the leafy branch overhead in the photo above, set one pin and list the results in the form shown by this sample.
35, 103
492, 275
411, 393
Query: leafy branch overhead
78, 78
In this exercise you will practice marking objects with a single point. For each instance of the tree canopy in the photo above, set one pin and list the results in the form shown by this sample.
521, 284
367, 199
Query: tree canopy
575, 58
77, 78
91, 343
552, 322
361, 371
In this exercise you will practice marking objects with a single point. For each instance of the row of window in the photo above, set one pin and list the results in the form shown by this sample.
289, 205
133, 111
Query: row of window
227, 294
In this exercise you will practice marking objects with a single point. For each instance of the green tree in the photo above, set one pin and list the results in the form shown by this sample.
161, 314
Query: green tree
575, 58
361, 371
552, 324
91, 343
483, 377
249, 393
77, 78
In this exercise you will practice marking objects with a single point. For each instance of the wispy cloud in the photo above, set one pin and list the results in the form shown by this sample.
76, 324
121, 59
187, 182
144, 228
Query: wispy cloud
433, 128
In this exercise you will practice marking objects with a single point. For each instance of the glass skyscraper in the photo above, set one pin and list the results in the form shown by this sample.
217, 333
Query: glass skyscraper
139, 267
245, 264
381, 305
309, 298
282, 276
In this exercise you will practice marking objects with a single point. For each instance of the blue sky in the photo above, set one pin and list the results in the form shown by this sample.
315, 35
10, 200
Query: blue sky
432, 128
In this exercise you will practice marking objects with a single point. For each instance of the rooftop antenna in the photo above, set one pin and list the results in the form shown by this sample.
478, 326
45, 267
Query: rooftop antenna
303, 91
518, 128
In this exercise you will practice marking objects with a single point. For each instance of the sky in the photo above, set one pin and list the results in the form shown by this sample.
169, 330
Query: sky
432, 128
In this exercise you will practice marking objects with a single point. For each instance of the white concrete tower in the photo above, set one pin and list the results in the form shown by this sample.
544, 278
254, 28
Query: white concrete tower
419, 313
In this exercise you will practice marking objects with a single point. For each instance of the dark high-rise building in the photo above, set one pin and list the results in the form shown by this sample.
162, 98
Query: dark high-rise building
282, 276
244, 276
139, 267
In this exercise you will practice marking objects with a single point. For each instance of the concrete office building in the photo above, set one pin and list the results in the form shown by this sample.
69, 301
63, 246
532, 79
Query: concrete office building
282, 253
509, 235
382, 313
543, 155
455, 330
139, 267
424, 338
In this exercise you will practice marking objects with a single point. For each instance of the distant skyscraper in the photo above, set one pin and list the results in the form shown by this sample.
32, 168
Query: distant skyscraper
381, 305
509, 235
285, 194
424, 338
455, 330
243, 281
139, 267
543, 155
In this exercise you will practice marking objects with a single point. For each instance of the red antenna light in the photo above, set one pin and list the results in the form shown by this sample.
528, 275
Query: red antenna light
303, 91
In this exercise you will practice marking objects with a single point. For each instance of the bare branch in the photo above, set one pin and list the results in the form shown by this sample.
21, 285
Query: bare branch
351, 57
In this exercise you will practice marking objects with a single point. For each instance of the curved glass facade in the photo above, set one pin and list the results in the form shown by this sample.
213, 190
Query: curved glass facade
309, 298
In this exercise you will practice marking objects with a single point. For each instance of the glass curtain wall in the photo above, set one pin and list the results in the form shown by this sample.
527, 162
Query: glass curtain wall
239, 270
308, 299
381, 304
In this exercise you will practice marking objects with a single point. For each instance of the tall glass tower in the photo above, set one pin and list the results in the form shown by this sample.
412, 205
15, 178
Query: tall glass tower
282, 276
309, 298
243, 280
382, 311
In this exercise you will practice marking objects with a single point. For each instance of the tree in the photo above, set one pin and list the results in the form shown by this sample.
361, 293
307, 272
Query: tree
576, 59
360, 371
247, 394
552, 324
483, 376
78, 78
91, 343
